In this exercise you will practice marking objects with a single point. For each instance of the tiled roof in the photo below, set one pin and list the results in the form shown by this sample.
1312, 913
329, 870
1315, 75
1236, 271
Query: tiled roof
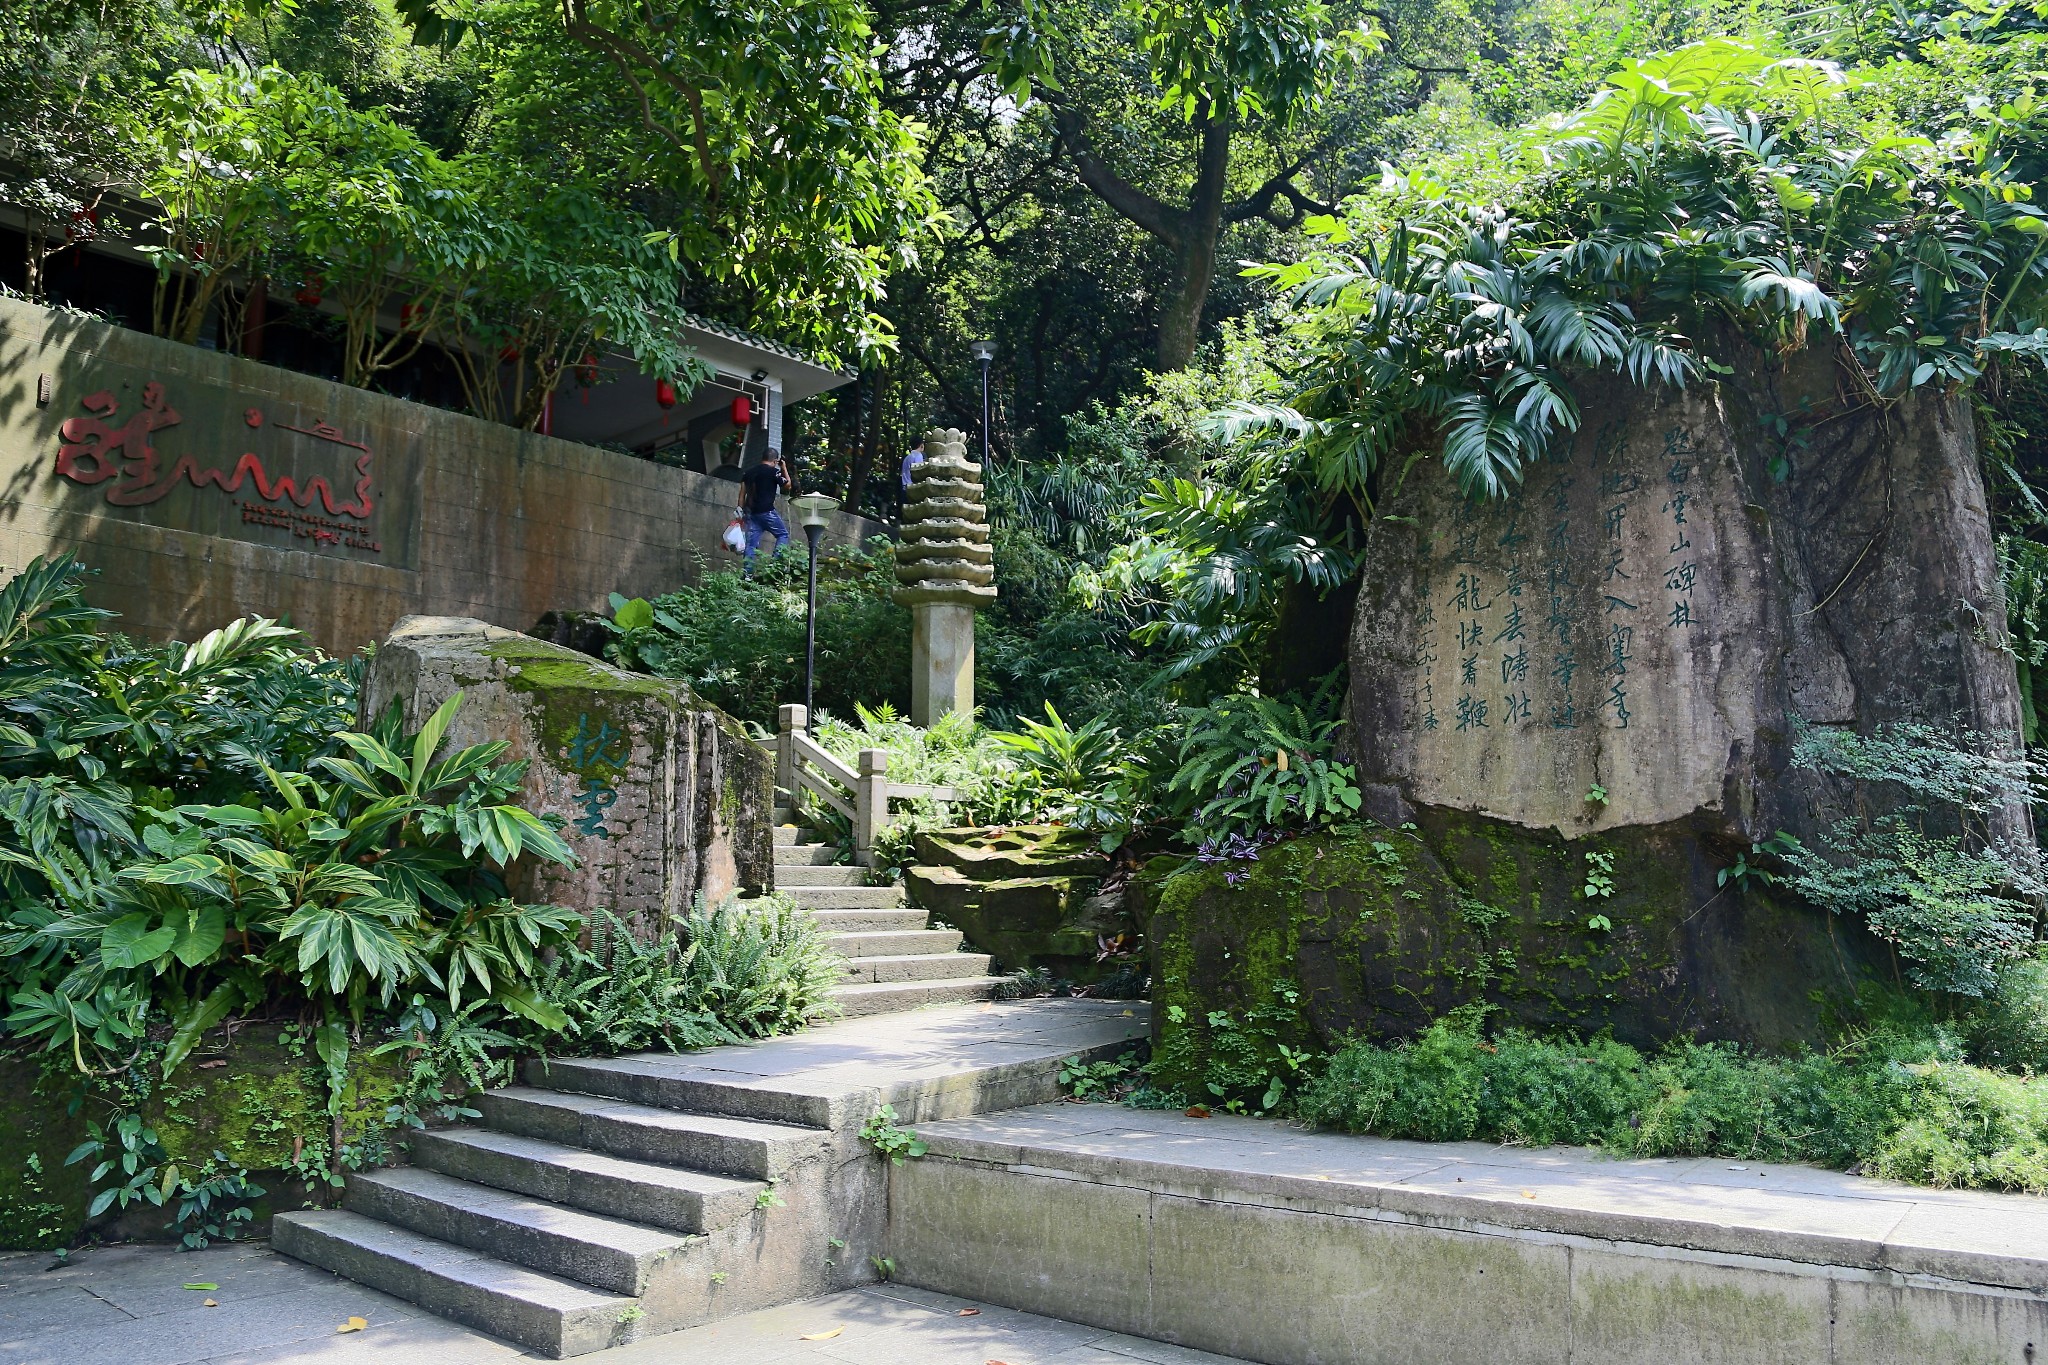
759, 342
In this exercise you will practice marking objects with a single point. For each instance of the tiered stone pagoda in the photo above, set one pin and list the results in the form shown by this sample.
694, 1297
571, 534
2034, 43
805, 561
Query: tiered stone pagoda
945, 569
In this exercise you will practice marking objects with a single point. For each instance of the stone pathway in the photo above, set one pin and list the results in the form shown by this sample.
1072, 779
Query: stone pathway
611, 1199
127, 1306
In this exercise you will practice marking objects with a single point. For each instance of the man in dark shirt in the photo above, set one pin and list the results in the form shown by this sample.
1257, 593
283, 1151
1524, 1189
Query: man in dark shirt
758, 489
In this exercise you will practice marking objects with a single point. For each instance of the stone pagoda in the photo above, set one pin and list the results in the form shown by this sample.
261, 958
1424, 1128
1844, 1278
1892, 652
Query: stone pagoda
945, 571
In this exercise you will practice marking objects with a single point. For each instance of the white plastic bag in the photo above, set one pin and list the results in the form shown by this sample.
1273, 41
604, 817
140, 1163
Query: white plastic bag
736, 536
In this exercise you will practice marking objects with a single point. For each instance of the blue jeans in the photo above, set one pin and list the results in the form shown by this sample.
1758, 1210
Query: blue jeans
761, 524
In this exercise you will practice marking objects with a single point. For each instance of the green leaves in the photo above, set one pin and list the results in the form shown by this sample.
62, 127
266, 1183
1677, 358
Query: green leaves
335, 942
1250, 763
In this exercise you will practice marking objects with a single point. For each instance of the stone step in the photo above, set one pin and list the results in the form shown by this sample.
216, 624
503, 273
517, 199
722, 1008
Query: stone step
555, 1317
845, 897
597, 1182
896, 943
866, 921
791, 835
807, 855
601, 1121
891, 996
916, 967
789, 876
604, 1253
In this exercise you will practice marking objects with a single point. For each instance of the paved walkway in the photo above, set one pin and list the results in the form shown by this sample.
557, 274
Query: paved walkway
128, 1306
1795, 1213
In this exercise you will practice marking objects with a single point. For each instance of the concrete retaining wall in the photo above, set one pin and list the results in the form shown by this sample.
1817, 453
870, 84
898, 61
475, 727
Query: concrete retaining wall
1256, 1261
203, 487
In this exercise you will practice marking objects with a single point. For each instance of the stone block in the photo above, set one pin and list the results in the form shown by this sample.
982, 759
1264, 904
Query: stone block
662, 795
1641, 1309
1044, 1245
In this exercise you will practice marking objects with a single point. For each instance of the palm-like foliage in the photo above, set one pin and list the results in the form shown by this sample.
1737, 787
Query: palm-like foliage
163, 846
1715, 182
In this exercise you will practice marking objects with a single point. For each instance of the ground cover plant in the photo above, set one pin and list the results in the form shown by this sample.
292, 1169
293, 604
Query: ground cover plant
1901, 1100
197, 835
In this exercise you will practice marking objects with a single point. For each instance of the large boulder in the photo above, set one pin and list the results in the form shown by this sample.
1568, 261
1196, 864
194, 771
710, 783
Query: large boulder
1604, 674
662, 795
1027, 894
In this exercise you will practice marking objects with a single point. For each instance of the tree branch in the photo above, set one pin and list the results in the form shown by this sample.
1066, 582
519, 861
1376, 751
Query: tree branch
622, 55
1153, 215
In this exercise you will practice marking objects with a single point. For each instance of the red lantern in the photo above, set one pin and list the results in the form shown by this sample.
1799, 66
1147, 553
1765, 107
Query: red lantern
409, 317
509, 352
586, 370
742, 410
664, 393
309, 292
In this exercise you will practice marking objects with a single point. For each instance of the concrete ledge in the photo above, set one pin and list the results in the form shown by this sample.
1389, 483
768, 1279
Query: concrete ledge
1294, 1248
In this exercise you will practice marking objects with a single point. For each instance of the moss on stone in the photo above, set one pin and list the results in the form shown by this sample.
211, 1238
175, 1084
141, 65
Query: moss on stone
1388, 929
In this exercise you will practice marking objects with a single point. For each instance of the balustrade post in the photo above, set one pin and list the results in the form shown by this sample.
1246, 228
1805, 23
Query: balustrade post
870, 804
789, 721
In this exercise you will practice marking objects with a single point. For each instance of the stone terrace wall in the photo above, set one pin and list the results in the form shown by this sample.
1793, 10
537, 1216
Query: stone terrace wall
152, 460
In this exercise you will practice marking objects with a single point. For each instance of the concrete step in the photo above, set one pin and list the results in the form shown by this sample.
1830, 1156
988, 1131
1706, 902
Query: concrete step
916, 967
867, 921
556, 1317
845, 897
738, 1147
604, 1253
896, 943
892, 996
807, 855
597, 1182
790, 875
788, 835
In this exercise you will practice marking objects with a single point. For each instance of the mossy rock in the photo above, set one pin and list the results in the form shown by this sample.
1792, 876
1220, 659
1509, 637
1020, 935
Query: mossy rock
254, 1100
1386, 930
1014, 851
1024, 894
42, 1201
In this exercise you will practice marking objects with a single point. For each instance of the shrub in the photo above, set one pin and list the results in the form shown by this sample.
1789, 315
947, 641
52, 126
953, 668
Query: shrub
740, 642
2009, 1028
1894, 1101
729, 972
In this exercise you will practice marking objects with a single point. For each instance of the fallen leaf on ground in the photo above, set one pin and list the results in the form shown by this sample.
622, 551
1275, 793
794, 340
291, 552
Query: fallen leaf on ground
201, 1285
968, 1312
353, 1325
1198, 1111
823, 1336
1528, 1194
210, 1303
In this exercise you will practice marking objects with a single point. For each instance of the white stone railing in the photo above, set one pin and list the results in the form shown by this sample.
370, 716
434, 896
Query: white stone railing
863, 796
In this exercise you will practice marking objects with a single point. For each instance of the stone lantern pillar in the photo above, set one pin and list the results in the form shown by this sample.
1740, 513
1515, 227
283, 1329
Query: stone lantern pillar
945, 571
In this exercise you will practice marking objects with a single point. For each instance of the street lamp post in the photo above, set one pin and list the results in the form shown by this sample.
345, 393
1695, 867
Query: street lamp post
985, 352
813, 508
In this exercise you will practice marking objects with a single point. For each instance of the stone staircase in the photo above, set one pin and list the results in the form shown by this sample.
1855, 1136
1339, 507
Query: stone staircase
893, 962
609, 1199
606, 1200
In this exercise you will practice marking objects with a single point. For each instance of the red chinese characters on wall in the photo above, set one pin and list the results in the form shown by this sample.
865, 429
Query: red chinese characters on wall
95, 451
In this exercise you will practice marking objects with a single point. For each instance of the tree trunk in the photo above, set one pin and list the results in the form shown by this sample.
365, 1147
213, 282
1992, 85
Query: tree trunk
1180, 325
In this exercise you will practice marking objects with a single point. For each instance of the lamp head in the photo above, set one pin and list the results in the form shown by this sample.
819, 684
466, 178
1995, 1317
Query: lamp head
814, 509
983, 351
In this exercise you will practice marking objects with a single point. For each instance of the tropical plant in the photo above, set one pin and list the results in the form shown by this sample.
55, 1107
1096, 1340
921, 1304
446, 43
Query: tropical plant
760, 968
1925, 855
1722, 181
1250, 764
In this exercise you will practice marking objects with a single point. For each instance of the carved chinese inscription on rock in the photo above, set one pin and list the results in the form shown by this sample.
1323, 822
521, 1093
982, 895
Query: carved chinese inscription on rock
1587, 630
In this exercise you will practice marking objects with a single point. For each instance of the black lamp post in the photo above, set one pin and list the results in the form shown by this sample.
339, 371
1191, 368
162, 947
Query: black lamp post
984, 351
813, 508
